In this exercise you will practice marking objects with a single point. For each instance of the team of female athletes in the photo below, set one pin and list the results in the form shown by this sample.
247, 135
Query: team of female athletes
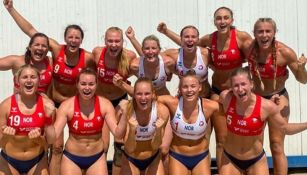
155, 133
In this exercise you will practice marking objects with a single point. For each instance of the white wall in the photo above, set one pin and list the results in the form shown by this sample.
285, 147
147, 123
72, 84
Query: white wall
95, 16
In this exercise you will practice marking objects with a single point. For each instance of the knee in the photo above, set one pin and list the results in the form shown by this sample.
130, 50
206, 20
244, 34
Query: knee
276, 148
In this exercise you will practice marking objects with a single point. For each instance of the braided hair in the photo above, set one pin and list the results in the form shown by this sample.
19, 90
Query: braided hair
273, 52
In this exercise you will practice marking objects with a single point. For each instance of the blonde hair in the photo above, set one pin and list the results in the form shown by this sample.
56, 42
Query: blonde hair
273, 51
124, 60
151, 38
26, 66
132, 102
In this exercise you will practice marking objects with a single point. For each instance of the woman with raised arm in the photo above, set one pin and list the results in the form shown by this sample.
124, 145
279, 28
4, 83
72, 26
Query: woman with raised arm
268, 62
190, 57
36, 55
246, 116
147, 120
190, 122
113, 59
68, 61
85, 115
153, 65
228, 47
26, 129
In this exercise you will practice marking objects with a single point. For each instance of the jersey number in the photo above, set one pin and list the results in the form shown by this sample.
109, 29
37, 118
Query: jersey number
176, 127
75, 125
14, 120
100, 72
56, 68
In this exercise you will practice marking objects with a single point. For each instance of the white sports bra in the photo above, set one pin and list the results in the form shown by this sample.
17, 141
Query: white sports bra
144, 133
160, 81
185, 130
200, 68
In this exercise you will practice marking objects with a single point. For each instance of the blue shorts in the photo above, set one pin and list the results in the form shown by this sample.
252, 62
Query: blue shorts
189, 161
22, 166
83, 162
244, 164
142, 164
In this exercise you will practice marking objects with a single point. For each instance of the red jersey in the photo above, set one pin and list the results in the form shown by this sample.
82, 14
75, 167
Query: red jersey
244, 126
67, 74
266, 70
44, 78
23, 123
226, 59
105, 75
80, 126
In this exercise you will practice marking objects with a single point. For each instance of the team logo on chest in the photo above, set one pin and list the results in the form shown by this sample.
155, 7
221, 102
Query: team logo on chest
99, 118
40, 115
14, 109
254, 120
60, 59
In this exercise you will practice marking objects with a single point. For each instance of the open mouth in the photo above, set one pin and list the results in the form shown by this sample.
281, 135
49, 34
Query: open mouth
113, 50
38, 54
223, 27
73, 47
87, 93
143, 103
189, 95
190, 46
242, 95
29, 86
264, 42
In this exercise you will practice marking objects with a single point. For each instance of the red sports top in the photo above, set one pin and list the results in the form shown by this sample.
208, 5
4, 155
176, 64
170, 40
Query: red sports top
79, 126
105, 75
23, 123
226, 59
44, 78
245, 126
266, 70
67, 74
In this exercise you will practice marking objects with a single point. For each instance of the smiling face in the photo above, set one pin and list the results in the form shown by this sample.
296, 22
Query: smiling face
73, 39
143, 95
114, 42
189, 87
150, 50
223, 20
264, 32
38, 47
28, 79
86, 86
189, 39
